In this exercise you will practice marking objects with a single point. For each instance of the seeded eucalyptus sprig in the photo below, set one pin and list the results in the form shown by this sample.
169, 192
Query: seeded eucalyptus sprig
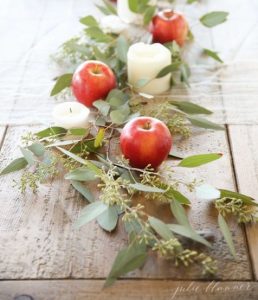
84, 156
229, 204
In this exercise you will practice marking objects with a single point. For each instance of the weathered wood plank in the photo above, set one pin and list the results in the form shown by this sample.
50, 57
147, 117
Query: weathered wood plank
244, 143
127, 290
26, 69
37, 229
237, 43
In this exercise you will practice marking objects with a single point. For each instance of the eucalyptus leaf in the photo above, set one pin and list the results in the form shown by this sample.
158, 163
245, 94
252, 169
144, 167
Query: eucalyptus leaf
73, 156
227, 234
110, 7
190, 108
168, 69
102, 106
37, 149
16, 165
161, 228
89, 21
77, 158
148, 15
214, 18
198, 160
64, 143
230, 194
78, 131
122, 48
62, 82
108, 219
176, 195
104, 10
100, 121
203, 123
133, 5
126, 175
119, 116
132, 226
81, 188
82, 145
28, 155
207, 192
81, 174
188, 232
51, 131
102, 56
146, 188
128, 259
117, 102
90, 212
212, 54
98, 35
115, 93
185, 73
190, 36
179, 213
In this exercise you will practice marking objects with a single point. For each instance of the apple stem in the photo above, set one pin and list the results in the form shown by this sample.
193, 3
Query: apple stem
168, 14
147, 126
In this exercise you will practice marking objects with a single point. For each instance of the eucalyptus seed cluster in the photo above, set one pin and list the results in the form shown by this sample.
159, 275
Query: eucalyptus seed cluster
71, 164
28, 139
154, 181
236, 207
188, 257
42, 172
112, 188
73, 51
133, 213
169, 248
177, 124
172, 249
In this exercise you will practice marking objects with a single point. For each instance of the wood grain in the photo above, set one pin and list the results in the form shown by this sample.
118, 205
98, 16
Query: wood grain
244, 140
127, 290
237, 43
38, 229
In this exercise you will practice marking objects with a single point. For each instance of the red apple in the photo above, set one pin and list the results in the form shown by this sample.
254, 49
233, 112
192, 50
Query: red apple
168, 26
145, 141
92, 81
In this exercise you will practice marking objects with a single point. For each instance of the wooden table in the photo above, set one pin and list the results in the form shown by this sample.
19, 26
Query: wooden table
41, 255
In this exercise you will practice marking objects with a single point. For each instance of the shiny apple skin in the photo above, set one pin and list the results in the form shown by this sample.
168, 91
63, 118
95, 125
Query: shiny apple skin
168, 26
92, 81
145, 141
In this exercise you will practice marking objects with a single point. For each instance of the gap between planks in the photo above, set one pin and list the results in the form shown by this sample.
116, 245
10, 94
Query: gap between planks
3, 131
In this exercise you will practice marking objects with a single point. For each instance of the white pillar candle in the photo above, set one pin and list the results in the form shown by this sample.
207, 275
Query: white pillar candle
71, 115
145, 61
124, 12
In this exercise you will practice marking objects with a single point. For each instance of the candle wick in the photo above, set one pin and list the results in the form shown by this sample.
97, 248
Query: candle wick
70, 110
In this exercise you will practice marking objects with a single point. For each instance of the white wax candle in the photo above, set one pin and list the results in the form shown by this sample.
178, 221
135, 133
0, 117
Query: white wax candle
124, 12
145, 61
71, 115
